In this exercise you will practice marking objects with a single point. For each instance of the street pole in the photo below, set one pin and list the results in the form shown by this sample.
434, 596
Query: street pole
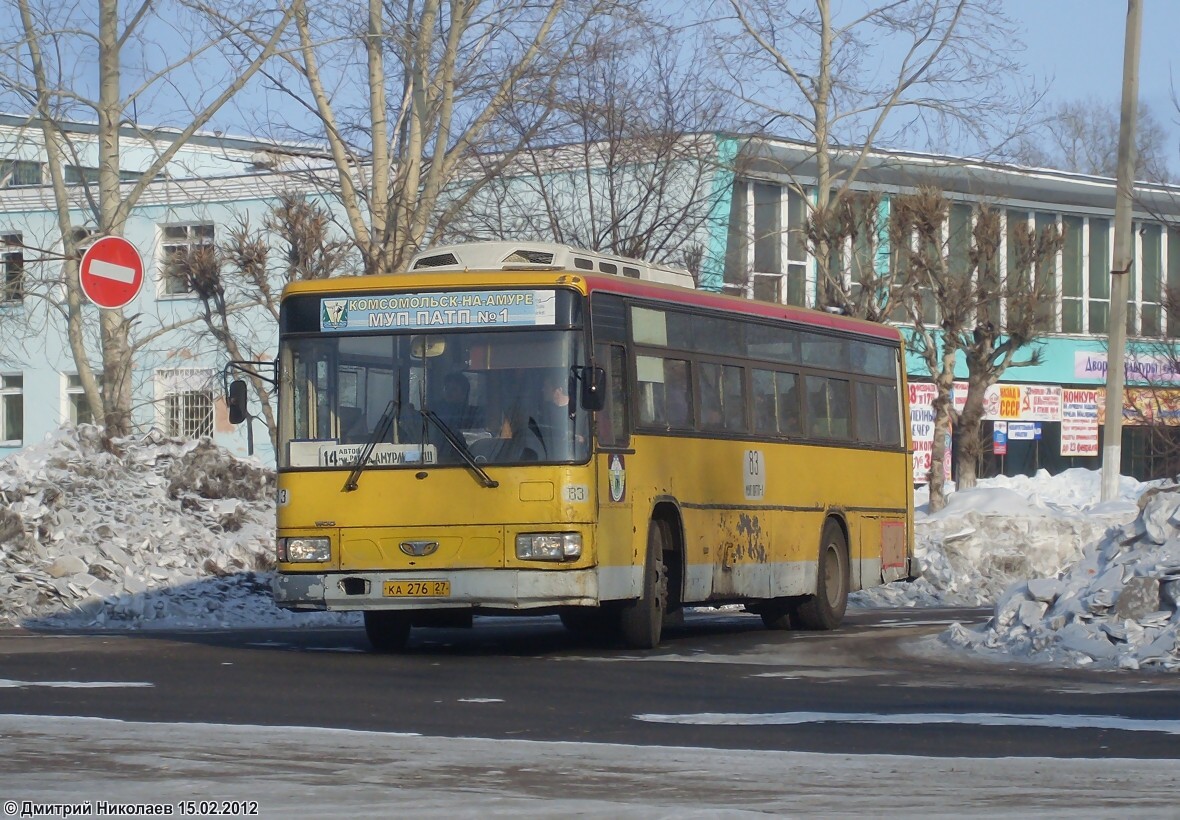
1112, 441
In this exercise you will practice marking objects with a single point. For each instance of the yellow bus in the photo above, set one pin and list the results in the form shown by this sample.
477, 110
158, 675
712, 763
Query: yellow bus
529, 428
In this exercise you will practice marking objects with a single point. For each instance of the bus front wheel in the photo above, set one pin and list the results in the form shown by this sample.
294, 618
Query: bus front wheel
387, 630
825, 609
642, 620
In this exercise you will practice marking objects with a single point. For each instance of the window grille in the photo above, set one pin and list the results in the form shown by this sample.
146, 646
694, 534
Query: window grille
187, 402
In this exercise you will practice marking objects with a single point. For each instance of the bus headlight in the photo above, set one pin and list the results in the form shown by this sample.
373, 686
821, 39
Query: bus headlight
311, 550
548, 546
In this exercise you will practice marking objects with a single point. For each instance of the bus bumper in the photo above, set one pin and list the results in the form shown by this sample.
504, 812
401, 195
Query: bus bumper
504, 589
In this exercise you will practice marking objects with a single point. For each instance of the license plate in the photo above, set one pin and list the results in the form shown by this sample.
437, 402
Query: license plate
417, 589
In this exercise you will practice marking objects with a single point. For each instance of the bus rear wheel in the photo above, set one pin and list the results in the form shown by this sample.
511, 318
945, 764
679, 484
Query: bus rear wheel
387, 630
825, 609
642, 620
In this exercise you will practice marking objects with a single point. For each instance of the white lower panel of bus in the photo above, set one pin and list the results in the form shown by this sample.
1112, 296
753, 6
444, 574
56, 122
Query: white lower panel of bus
492, 588
532, 589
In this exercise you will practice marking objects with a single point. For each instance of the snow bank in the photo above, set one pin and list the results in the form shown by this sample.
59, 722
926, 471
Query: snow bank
1004, 531
1115, 606
150, 532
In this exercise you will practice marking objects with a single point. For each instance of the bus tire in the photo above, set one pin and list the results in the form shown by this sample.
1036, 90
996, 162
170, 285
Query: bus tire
387, 630
642, 621
825, 609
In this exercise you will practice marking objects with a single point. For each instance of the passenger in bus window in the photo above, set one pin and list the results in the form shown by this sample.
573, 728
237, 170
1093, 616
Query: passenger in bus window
353, 427
453, 409
519, 440
556, 427
789, 420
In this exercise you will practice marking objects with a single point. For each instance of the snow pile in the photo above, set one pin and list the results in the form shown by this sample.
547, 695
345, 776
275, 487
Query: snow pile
1003, 531
151, 531
1116, 606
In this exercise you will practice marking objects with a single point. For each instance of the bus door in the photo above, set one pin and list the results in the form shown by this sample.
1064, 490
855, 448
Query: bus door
615, 535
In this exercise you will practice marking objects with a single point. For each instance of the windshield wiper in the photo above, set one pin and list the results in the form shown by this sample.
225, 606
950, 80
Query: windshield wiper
384, 425
460, 446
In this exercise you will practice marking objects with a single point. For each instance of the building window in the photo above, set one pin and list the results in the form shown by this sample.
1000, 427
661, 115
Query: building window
958, 241
179, 241
84, 174
1151, 297
796, 248
1099, 274
12, 276
20, 172
1071, 275
737, 242
79, 408
768, 288
186, 396
1173, 289
1017, 278
768, 228
12, 408
80, 174
1046, 276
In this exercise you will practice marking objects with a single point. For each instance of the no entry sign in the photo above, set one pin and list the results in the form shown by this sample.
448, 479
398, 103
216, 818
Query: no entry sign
111, 272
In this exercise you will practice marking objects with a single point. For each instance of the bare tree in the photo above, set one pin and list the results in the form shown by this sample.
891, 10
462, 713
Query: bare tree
406, 94
47, 74
1083, 135
238, 278
912, 73
961, 308
853, 231
639, 173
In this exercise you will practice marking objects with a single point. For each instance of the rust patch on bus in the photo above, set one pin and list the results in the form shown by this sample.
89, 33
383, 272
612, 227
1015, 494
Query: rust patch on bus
751, 527
742, 542
741, 547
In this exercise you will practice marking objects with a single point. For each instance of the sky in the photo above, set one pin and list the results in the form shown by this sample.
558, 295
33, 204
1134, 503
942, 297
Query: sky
1076, 46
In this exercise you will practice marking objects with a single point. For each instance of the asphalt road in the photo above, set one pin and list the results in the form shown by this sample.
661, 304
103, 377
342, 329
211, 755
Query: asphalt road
879, 685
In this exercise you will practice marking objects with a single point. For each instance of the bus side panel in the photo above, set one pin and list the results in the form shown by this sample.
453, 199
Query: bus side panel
747, 542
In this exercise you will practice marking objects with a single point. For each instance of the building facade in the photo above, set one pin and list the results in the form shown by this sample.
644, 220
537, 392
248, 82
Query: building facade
1047, 414
746, 215
211, 186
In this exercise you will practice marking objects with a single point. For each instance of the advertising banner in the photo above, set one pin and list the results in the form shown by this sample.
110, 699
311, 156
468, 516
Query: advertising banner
1079, 422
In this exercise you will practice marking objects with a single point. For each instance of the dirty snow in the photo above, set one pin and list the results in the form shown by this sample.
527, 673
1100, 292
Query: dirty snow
164, 533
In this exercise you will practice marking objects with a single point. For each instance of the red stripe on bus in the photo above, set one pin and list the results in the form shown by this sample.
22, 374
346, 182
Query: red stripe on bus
734, 304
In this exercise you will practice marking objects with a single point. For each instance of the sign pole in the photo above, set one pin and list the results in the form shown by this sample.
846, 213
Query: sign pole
1112, 449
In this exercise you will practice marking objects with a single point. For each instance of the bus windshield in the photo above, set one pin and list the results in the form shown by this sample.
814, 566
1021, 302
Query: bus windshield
508, 397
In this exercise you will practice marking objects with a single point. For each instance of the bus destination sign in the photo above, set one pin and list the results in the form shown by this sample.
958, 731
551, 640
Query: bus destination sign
439, 311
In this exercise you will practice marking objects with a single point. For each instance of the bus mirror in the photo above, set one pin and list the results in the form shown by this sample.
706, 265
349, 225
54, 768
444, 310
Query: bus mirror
593, 388
427, 347
236, 402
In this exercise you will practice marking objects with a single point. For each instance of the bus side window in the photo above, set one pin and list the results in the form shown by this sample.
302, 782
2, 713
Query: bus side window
678, 393
790, 420
829, 407
867, 430
765, 411
613, 427
888, 414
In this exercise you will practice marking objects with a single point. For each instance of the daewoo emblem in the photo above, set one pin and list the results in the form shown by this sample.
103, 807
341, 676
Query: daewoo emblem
418, 548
